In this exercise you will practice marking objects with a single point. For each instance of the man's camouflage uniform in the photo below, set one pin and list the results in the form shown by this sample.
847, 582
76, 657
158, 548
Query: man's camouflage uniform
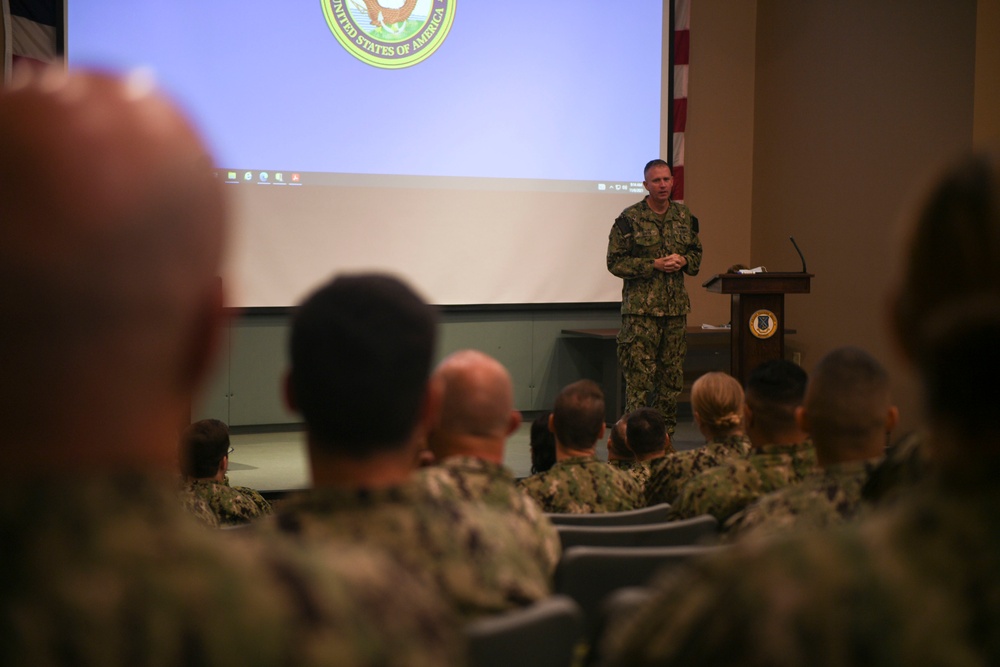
640, 470
471, 479
913, 584
825, 498
652, 342
583, 485
725, 490
671, 472
111, 571
231, 505
469, 552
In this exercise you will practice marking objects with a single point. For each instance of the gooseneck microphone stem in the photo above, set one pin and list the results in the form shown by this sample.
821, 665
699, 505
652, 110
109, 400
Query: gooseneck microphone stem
792, 239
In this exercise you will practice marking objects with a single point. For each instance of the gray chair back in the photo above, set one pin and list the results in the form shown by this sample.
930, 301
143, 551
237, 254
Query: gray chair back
589, 575
653, 514
666, 534
546, 634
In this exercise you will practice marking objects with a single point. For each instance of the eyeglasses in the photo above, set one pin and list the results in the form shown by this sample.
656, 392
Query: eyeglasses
231, 450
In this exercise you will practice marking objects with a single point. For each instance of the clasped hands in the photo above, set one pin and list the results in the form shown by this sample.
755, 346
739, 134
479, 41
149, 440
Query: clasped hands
670, 263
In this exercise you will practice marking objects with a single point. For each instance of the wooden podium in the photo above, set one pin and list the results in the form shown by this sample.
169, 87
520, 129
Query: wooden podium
757, 315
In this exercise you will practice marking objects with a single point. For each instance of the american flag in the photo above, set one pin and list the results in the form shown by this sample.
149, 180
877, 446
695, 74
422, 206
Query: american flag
681, 42
34, 27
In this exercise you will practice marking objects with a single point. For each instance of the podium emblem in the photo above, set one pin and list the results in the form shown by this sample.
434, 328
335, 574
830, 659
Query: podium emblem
763, 324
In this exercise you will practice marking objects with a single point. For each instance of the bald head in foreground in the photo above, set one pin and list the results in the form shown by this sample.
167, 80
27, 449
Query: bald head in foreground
110, 247
477, 417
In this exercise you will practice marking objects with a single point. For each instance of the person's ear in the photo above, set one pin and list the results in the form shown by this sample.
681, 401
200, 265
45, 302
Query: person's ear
802, 419
552, 422
891, 418
514, 421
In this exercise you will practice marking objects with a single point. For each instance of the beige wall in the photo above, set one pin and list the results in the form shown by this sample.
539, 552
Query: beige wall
718, 161
986, 117
855, 102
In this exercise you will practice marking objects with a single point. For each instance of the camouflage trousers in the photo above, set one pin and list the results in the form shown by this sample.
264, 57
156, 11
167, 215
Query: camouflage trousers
651, 354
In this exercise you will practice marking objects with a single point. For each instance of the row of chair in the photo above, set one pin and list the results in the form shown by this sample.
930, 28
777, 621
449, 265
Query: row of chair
604, 563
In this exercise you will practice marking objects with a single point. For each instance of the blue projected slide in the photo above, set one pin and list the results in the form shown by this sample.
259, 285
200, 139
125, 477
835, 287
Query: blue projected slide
525, 89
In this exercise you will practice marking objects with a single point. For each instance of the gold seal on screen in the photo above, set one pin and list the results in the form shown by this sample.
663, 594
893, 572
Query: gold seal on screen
390, 34
763, 324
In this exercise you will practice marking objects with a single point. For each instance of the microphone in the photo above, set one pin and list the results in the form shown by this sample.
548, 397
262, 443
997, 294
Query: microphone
792, 239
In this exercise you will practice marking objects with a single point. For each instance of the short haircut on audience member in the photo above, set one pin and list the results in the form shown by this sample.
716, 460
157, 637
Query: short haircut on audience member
617, 438
717, 397
847, 395
646, 431
774, 389
578, 415
361, 349
203, 446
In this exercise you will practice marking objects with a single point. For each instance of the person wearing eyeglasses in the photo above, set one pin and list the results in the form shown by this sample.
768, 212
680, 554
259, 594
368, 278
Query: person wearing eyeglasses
205, 450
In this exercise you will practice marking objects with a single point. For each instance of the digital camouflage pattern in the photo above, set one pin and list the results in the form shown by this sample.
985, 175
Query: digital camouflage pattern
231, 505
652, 341
639, 236
469, 552
914, 584
583, 485
725, 490
112, 572
471, 479
824, 498
640, 470
671, 472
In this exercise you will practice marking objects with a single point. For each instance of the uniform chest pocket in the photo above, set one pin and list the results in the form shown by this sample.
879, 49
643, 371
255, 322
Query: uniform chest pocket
648, 244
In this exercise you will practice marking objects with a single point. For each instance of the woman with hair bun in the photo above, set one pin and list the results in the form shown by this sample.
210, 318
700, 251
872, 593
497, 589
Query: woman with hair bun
717, 403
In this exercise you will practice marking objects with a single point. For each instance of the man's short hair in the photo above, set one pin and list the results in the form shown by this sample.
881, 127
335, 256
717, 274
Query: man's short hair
578, 415
847, 394
774, 389
203, 446
361, 349
646, 431
654, 163
617, 439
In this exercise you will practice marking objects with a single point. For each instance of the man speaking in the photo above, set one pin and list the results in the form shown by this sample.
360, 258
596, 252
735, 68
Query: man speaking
650, 245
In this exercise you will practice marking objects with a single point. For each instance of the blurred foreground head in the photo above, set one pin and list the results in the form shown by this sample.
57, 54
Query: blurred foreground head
946, 310
110, 248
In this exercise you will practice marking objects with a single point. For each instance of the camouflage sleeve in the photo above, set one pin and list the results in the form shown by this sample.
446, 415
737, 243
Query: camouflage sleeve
693, 255
692, 251
720, 491
621, 263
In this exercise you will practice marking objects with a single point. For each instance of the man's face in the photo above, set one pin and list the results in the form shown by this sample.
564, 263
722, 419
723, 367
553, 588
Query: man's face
659, 182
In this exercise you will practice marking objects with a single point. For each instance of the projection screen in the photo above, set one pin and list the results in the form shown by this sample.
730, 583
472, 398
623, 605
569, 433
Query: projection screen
481, 150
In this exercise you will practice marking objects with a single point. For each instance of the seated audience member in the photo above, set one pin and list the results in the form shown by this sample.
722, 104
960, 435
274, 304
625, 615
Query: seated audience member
579, 483
717, 404
915, 582
110, 246
848, 414
637, 441
204, 463
477, 417
361, 349
543, 444
781, 455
